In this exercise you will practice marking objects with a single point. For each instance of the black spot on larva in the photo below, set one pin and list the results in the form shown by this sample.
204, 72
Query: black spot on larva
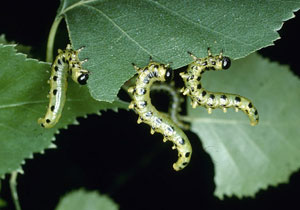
156, 66
64, 59
212, 96
170, 129
42, 124
223, 97
187, 154
158, 120
185, 163
142, 91
247, 111
54, 78
199, 78
250, 105
198, 99
192, 89
181, 141
226, 62
237, 99
143, 103
223, 102
199, 86
148, 114
52, 108
54, 91
204, 63
48, 121
55, 68
203, 93
256, 113
213, 63
145, 69
59, 62
190, 78
146, 80
210, 68
150, 75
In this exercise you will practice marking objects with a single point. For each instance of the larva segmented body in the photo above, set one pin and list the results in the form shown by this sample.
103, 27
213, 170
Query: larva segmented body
148, 114
66, 63
212, 100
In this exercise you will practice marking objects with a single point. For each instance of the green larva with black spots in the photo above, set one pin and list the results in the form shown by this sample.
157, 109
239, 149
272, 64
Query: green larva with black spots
66, 63
148, 114
213, 100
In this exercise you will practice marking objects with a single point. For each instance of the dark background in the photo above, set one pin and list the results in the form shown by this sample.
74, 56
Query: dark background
114, 155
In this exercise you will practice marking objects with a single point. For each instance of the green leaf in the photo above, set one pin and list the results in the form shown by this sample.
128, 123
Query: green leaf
250, 158
83, 200
20, 48
23, 100
117, 33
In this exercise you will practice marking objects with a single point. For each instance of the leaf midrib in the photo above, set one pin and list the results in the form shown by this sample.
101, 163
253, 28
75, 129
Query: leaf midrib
34, 102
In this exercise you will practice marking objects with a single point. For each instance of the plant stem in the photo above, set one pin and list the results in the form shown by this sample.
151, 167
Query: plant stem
51, 37
13, 189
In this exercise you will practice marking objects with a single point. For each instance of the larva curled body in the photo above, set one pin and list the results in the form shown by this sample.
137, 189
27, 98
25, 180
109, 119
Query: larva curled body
148, 114
175, 104
66, 63
213, 100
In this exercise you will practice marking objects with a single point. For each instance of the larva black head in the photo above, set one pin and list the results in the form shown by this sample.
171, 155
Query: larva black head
226, 62
82, 79
169, 74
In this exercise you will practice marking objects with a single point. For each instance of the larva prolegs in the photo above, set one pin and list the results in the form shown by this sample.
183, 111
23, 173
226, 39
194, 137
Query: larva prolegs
148, 114
66, 63
213, 100
57, 93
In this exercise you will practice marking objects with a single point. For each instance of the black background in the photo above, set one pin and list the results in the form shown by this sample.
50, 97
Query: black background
114, 155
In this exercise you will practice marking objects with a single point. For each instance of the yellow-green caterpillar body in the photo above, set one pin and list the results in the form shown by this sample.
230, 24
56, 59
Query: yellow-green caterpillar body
212, 100
66, 63
148, 114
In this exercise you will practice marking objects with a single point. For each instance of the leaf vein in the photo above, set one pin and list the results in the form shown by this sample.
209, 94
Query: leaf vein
120, 29
198, 25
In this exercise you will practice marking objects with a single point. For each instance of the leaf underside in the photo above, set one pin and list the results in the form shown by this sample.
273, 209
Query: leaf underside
117, 33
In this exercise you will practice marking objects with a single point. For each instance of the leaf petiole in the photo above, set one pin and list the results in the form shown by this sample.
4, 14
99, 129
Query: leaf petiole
51, 37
